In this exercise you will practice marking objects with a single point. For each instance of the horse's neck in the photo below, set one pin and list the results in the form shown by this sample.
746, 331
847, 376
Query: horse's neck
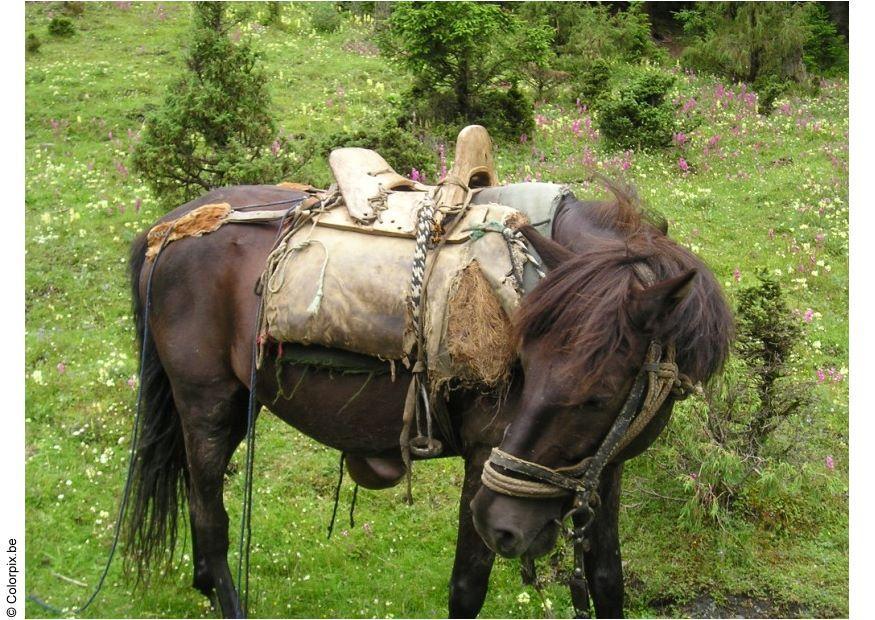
576, 229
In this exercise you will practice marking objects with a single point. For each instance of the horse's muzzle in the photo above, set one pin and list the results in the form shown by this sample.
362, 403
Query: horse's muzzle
511, 527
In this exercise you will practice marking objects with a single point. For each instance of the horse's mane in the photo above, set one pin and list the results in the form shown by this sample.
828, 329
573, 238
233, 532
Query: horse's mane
580, 306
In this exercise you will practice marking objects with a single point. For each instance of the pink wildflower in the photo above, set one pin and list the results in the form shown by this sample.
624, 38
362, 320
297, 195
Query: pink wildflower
830, 463
523, 138
736, 275
808, 316
680, 138
683, 165
415, 175
62, 368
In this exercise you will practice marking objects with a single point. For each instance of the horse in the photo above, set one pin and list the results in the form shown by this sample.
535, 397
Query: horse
582, 332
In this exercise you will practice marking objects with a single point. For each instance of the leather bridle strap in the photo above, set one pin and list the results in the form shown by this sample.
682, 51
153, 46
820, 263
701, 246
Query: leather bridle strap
582, 479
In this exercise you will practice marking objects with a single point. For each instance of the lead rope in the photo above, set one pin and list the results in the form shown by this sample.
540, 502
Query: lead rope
424, 228
245, 544
135, 434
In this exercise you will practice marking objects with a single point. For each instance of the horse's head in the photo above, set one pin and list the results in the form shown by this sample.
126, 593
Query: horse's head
587, 335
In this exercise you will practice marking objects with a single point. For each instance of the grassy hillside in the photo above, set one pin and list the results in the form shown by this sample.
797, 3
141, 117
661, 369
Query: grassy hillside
752, 193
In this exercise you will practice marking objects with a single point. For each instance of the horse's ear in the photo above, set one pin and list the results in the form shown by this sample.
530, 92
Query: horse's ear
552, 254
655, 302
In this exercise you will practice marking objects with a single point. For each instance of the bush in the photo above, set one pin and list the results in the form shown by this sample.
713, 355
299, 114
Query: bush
592, 81
33, 43
61, 27
400, 148
826, 52
768, 89
324, 17
73, 9
459, 54
745, 41
638, 115
729, 453
214, 127
505, 114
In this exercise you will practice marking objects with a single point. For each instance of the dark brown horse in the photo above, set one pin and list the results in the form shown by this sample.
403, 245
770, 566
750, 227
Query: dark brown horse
583, 334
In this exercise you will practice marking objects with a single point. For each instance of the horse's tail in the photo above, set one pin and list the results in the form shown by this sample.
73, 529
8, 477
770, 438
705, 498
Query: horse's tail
159, 473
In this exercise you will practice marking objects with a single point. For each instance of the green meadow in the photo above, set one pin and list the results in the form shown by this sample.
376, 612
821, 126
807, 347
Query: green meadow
744, 191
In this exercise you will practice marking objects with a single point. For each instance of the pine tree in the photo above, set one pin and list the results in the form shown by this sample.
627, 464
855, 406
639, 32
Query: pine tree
215, 126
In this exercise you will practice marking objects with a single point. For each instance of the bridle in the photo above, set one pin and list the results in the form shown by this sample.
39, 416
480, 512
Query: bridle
657, 379
504, 473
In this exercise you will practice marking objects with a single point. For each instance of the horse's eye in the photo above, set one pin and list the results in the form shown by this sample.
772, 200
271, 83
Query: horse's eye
593, 402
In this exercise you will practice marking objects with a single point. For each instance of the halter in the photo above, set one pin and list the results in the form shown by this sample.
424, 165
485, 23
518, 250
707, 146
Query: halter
656, 380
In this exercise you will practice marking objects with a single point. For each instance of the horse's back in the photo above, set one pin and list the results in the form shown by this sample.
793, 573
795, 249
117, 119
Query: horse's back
203, 300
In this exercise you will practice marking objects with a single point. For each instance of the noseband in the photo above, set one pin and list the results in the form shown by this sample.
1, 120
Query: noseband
655, 381
653, 384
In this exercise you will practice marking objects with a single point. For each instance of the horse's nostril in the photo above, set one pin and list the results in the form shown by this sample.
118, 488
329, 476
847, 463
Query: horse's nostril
507, 542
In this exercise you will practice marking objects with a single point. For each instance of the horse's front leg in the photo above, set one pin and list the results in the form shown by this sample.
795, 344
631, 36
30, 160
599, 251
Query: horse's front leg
604, 569
473, 562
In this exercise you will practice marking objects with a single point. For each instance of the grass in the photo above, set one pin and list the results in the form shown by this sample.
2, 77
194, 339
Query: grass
769, 193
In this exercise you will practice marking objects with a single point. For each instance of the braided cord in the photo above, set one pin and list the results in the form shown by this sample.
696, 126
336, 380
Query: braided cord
424, 224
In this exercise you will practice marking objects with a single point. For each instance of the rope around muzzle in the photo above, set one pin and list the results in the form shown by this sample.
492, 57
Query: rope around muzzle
660, 378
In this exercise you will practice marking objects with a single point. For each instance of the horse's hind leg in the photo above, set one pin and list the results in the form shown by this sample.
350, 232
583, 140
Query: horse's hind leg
214, 423
604, 570
473, 562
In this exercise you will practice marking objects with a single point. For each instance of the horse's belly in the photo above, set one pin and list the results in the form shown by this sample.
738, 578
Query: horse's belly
359, 412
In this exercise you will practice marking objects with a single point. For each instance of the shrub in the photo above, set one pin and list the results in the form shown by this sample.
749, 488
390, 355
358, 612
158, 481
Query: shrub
399, 147
459, 51
214, 127
729, 452
638, 115
61, 27
768, 89
324, 17
825, 51
33, 43
745, 41
592, 81
506, 114
73, 9
273, 13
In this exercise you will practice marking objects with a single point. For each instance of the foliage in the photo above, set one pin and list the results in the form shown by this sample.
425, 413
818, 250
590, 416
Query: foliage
272, 16
592, 38
736, 455
768, 89
401, 149
214, 127
32, 43
639, 114
61, 27
73, 9
507, 114
825, 51
324, 17
459, 51
593, 81
745, 41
